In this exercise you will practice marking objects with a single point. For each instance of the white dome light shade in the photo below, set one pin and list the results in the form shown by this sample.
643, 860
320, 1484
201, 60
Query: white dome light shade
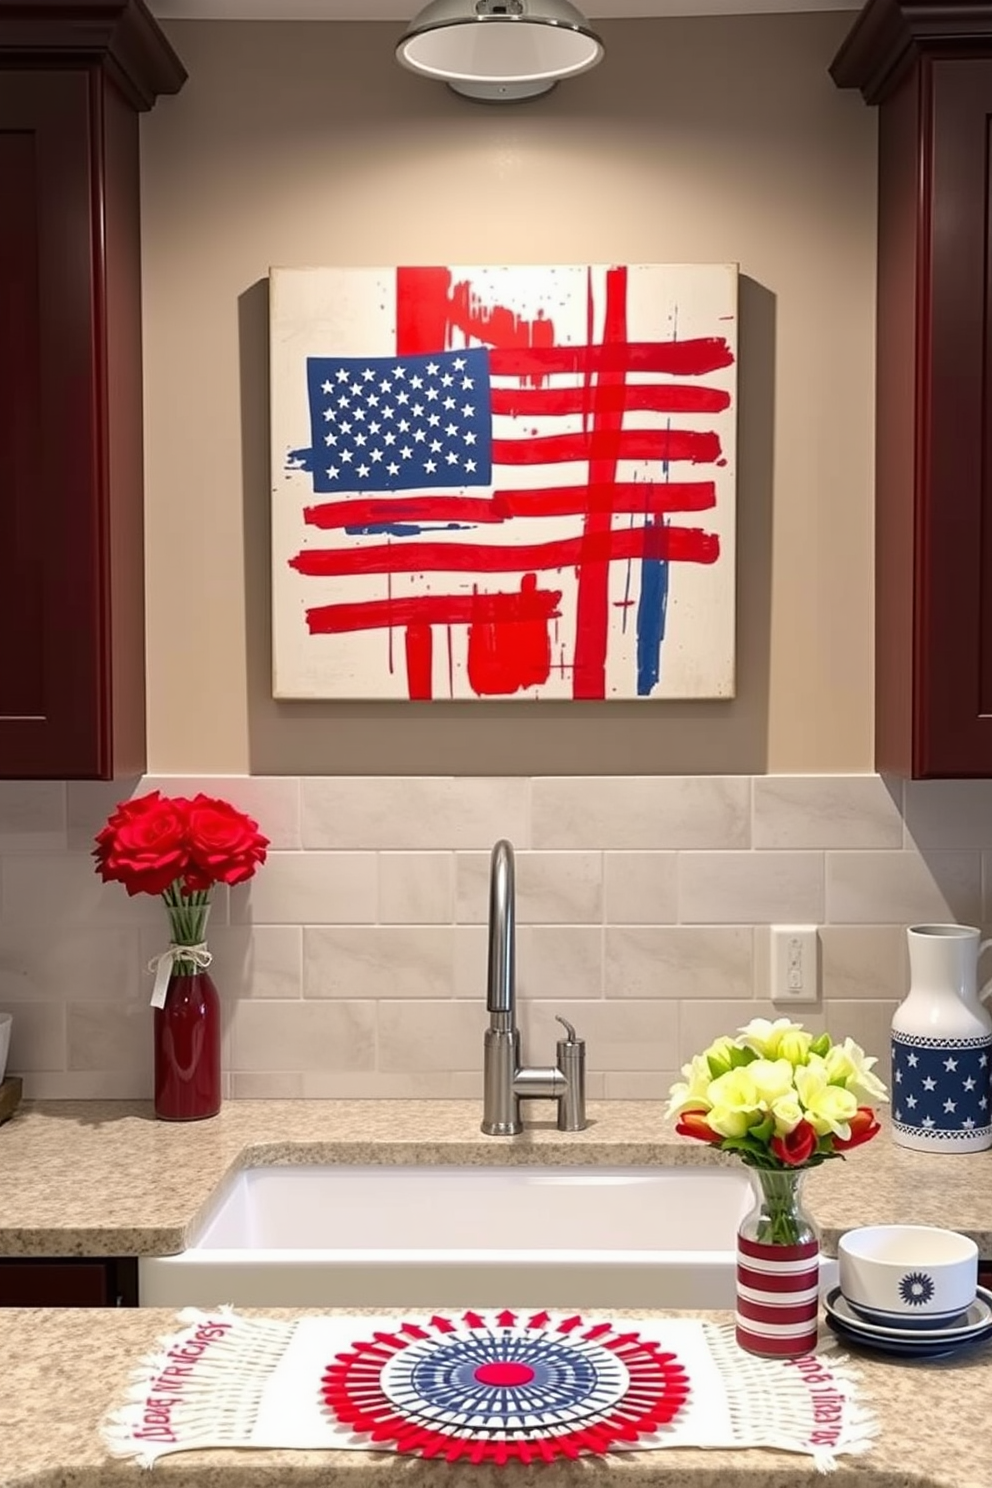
499, 49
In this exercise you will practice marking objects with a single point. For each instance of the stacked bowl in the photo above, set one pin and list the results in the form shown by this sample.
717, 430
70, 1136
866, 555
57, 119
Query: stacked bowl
909, 1290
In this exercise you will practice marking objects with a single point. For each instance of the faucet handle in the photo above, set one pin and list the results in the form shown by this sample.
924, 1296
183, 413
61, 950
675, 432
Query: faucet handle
571, 1060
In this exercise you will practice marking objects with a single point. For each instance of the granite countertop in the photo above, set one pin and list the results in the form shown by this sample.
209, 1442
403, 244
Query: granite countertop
106, 1178
70, 1367
91, 1178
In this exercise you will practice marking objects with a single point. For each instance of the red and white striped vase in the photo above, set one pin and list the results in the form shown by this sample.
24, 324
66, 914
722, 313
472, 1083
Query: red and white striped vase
778, 1269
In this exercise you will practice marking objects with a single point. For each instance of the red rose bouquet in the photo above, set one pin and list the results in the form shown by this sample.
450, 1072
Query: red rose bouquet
179, 848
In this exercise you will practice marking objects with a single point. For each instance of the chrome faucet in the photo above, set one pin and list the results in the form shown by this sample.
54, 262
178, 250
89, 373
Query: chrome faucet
506, 1081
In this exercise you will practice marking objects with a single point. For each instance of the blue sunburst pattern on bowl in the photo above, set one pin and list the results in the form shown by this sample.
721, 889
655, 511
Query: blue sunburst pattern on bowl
916, 1288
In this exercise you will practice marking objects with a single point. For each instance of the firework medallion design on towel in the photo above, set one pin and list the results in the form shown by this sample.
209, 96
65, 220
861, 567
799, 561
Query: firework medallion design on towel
492, 1386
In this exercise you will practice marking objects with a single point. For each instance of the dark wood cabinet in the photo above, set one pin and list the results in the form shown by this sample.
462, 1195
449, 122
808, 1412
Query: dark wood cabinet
74, 76
928, 69
98, 1282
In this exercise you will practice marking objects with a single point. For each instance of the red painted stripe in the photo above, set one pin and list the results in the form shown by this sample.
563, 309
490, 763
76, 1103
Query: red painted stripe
603, 445
431, 306
638, 497
765, 1252
675, 544
761, 1312
760, 1343
777, 1281
678, 358
504, 658
670, 397
419, 652
421, 310
434, 609
607, 444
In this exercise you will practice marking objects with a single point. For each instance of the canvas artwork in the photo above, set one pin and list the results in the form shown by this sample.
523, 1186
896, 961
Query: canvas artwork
504, 482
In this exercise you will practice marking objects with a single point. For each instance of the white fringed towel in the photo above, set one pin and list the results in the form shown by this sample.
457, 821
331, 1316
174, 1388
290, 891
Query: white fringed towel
480, 1386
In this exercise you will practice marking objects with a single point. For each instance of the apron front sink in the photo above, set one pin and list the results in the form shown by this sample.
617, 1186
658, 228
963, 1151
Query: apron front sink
378, 1236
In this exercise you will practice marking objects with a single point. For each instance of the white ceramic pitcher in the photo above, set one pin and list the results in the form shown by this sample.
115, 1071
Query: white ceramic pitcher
942, 1045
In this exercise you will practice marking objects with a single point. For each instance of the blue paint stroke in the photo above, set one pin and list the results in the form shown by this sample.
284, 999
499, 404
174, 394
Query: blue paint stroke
300, 459
652, 608
406, 529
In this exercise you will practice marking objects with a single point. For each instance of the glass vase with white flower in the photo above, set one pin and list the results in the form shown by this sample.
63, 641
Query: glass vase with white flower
784, 1100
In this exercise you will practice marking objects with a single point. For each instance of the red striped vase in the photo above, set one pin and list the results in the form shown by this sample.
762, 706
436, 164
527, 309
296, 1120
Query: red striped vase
778, 1267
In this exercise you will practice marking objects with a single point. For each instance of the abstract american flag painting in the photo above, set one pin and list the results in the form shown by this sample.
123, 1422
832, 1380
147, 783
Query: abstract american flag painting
504, 482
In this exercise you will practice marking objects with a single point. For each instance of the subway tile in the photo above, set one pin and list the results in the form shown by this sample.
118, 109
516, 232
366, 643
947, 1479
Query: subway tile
112, 1036
273, 801
66, 890
641, 888
263, 1085
380, 961
863, 961
821, 811
429, 1037
559, 961
258, 961
71, 961
290, 1036
904, 888
88, 805
678, 962
37, 1036
948, 813
751, 888
416, 888
641, 812
418, 813
619, 1035
101, 1085
652, 1085
471, 961
32, 816
375, 1085
309, 888
552, 888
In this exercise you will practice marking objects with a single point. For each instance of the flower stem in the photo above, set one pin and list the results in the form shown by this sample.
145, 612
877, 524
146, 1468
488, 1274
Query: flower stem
782, 1221
187, 920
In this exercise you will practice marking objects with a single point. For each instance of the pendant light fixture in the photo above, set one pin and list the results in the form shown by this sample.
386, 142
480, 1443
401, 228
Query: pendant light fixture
499, 49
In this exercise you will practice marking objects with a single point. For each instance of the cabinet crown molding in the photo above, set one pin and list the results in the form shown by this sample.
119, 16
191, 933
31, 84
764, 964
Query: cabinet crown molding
122, 36
889, 36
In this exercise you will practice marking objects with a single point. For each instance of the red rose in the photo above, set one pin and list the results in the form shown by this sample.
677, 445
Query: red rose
797, 1147
225, 845
863, 1127
143, 845
695, 1124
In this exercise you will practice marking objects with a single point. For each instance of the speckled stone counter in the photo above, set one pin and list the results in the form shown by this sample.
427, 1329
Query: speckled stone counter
105, 1178
64, 1370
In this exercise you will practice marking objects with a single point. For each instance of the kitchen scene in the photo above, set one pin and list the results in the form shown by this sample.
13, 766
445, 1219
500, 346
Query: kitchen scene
495, 741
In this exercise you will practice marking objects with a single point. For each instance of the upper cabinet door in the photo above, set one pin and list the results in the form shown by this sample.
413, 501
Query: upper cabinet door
72, 702
930, 74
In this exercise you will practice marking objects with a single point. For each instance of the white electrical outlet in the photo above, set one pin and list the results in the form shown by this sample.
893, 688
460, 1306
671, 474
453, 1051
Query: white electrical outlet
794, 963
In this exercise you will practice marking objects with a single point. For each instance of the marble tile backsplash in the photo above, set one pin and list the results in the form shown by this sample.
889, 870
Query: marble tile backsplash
354, 964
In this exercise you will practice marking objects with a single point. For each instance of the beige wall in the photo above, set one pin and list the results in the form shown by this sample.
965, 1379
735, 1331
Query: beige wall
711, 139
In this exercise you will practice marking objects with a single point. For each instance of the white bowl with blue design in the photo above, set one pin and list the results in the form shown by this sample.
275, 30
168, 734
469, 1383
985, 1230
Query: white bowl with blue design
909, 1276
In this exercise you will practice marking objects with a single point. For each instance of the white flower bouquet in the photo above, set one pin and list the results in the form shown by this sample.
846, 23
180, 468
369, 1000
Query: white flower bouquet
779, 1096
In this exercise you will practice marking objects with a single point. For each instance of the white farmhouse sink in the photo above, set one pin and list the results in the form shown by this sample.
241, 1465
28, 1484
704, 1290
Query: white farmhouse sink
460, 1236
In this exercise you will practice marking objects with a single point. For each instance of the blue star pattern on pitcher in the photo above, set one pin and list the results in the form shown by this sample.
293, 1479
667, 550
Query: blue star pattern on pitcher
941, 1087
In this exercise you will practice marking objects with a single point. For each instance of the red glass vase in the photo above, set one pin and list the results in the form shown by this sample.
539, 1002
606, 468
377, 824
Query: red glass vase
187, 1049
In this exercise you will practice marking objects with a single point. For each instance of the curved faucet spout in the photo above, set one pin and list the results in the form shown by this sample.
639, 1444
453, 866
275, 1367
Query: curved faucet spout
501, 982
506, 1081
